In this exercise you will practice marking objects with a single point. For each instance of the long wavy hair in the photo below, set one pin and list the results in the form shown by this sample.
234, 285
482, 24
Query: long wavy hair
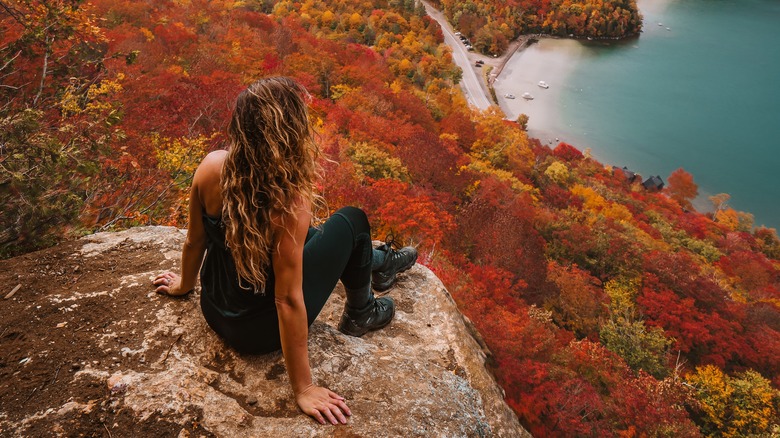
271, 164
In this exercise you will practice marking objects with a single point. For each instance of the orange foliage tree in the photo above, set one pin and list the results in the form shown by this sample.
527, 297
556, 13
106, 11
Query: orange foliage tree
681, 188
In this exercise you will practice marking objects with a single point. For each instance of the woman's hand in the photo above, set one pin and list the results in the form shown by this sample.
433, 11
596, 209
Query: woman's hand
321, 403
168, 283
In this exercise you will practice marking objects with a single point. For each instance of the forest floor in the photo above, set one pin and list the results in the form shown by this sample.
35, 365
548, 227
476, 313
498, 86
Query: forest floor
53, 326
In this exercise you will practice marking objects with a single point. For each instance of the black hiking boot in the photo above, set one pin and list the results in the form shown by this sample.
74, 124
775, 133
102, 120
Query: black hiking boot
383, 278
377, 314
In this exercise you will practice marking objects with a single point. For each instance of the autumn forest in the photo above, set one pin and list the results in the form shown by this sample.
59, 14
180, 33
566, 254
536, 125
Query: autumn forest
609, 309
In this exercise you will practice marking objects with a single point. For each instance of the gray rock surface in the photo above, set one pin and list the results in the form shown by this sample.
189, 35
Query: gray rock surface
423, 375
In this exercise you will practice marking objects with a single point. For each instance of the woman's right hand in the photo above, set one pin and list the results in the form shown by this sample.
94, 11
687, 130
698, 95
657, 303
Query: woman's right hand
168, 283
321, 403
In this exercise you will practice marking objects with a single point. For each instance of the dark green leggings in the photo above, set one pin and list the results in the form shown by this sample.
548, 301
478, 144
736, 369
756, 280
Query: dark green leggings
338, 250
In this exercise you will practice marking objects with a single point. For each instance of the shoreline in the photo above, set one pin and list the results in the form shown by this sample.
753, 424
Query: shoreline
631, 143
517, 45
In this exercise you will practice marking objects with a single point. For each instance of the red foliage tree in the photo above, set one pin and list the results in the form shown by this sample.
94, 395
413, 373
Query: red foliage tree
497, 227
567, 152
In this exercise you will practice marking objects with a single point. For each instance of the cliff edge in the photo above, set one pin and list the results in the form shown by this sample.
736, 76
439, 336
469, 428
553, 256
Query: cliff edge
87, 348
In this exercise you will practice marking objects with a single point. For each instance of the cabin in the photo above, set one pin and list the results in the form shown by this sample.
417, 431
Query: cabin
630, 176
654, 183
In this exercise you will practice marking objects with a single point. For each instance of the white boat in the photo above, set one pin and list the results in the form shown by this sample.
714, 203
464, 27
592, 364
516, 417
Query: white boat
509, 96
527, 96
543, 84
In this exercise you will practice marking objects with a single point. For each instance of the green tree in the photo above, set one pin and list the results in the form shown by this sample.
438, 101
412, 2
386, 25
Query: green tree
47, 168
643, 348
56, 118
37, 188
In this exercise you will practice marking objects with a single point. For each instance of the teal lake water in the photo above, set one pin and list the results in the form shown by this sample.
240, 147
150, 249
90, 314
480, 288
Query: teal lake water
703, 95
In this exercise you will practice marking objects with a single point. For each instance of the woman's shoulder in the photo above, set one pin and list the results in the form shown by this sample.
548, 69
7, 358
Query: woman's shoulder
206, 183
211, 165
215, 158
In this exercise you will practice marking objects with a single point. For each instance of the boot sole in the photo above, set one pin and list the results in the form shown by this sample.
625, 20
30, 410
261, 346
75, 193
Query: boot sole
381, 287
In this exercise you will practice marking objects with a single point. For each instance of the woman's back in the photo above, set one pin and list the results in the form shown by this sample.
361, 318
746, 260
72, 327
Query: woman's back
220, 284
226, 294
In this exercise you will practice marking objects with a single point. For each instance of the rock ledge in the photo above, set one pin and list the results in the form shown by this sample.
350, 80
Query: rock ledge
150, 364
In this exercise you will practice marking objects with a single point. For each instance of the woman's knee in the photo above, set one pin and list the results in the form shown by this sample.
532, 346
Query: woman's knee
357, 218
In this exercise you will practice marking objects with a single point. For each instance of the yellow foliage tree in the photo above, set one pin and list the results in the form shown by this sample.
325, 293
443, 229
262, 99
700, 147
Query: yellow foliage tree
404, 67
485, 167
622, 293
370, 161
745, 405
755, 404
502, 145
596, 204
339, 90
735, 220
327, 17
355, 20
713, 393
180, 157
557, 172
98, 99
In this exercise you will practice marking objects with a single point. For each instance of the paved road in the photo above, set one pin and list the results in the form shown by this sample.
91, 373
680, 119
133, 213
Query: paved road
471, 84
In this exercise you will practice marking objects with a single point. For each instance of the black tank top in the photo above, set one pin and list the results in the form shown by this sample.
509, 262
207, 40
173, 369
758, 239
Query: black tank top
219, 280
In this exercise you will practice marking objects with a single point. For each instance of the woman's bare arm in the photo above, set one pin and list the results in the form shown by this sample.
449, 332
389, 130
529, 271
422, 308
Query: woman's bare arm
207, 175
315, 401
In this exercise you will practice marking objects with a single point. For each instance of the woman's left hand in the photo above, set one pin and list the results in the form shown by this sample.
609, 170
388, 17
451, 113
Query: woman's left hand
168, 283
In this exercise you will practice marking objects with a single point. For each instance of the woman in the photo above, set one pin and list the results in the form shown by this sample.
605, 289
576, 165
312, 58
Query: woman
267, 273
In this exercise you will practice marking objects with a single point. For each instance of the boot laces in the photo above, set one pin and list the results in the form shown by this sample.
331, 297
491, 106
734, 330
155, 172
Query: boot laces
380, 305
390, 243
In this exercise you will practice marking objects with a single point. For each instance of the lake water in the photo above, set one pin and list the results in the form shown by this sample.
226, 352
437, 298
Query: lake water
701, 91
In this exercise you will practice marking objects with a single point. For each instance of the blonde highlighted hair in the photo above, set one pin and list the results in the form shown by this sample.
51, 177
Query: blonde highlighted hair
271, 164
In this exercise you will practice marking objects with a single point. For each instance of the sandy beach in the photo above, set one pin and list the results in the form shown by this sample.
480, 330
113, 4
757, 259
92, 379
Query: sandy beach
550, 60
